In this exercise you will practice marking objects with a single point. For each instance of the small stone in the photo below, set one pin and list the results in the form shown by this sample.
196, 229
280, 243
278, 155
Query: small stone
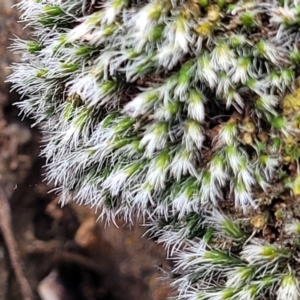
213, 13
259, 221
247, 138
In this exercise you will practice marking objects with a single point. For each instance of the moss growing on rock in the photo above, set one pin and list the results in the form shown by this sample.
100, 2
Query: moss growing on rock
185, 113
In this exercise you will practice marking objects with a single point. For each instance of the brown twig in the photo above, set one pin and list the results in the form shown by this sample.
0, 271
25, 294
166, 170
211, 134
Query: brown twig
52, 248
12, 246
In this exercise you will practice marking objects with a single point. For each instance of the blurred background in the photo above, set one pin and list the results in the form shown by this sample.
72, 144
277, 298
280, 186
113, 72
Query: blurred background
53, 253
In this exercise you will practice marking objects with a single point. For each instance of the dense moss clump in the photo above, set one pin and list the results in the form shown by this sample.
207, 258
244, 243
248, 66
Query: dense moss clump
185, 113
